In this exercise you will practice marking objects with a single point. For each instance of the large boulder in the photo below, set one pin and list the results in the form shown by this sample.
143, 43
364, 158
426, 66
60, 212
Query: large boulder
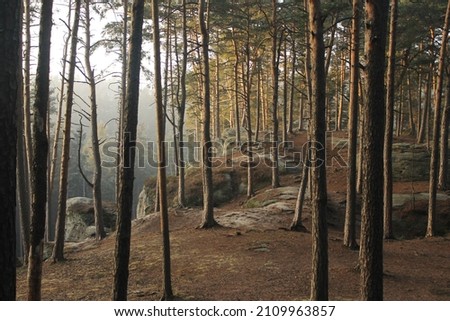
80, 218
410, 162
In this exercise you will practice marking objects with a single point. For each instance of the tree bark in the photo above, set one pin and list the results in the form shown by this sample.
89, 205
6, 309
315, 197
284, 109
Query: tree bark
54, 155
340, 110
292, 92
23, 196
22, 168
181, 114
362, 122
319, 280
25, 119
371, 251
237, 118
412, 124
297, 224
97, 177
10, 93
40, 154
58, 249
443, 148
388, 131
285, 95
27, 85
206, 165
123, 90
275, 73
217, 132
160, 116
127, 156
350, 210
399, 119
300, 112
247, 79
258, 101
434, 161
308, 65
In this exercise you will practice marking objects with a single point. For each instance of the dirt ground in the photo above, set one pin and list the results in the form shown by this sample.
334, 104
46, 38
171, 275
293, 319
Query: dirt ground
257, 259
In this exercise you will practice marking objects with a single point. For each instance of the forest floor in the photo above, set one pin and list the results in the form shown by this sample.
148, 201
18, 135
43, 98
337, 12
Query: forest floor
253, 256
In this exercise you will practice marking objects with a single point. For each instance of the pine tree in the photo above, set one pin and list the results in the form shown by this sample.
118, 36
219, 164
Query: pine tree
127, 154
206, 164
58, 249
10, 66
388, 132
162, 181
40, 154
350, 210
371, 251
319, 280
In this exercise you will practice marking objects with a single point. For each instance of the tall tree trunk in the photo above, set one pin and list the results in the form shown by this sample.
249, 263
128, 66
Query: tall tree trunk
412, 124
123, 89
371, 252
443, 147
181, 114
400, 112
26, 116
419, 102
10, 100
174, 98
350, 210
292, 93
27, 83
264, 106
247, 84
23, 196
428, 127
319, 280
285, 95
340, 110
362, 123
258, 101
217, 132
97, 177
388, 131
434, 161
206, 165
127, 156
40, 154
58, 249
160, 116
301, 111
297, 224
237, 118
22, 167
423, 128
275, 82
330, 43
308, 65
54, 155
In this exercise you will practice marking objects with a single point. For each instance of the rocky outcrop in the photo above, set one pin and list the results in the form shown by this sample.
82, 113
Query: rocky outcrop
410, 162
227, 184
399, 200
146, 201
80, 218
